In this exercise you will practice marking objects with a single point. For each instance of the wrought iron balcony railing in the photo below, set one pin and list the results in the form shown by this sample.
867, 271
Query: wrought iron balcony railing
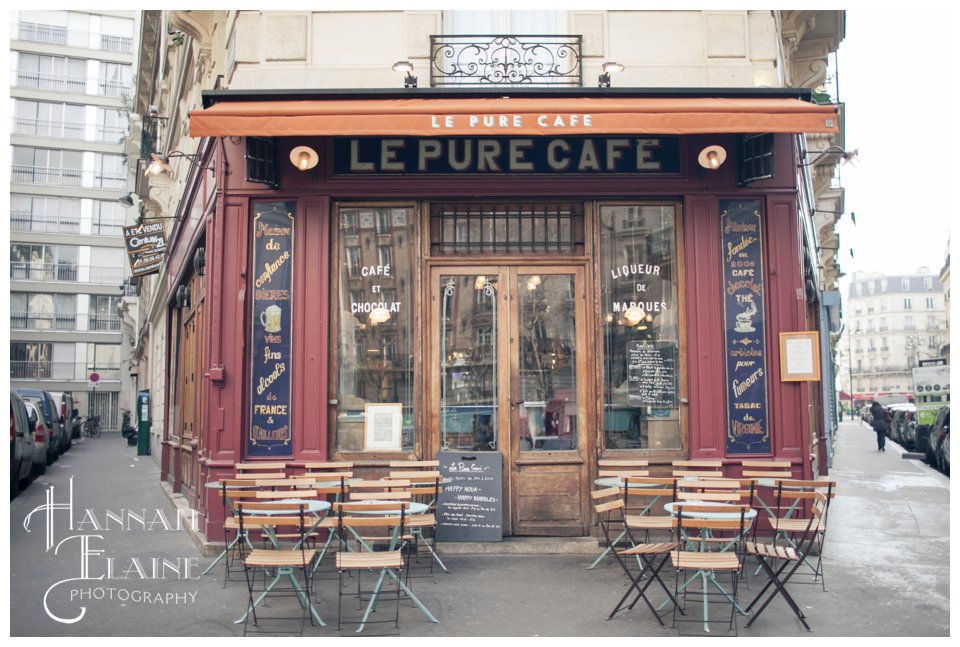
28, 174
43, 128
66, 371
57, 35
484, 60
60, 223
71, 322
70, 272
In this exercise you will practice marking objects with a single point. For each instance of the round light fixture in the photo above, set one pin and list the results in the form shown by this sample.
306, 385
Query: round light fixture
304, 158
379, 316
712, 157
633, 315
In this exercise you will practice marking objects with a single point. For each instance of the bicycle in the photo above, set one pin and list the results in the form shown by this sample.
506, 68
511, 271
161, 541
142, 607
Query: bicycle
91, 427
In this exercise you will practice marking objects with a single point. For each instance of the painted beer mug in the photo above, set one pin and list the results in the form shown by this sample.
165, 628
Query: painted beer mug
270, 318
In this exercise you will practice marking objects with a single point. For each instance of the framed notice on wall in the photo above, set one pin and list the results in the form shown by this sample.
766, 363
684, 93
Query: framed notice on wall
383, 424
799, 357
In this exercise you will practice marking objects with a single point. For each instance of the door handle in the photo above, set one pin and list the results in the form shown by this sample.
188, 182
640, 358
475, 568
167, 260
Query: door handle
517, 402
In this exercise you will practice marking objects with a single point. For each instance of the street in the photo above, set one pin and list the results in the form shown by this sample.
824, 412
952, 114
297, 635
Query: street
127, 567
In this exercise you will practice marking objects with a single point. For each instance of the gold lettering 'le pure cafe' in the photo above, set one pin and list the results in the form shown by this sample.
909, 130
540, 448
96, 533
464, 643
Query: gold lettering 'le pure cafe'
545, 278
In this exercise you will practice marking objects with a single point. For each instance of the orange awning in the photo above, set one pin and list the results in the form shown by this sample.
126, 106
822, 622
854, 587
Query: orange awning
426, 117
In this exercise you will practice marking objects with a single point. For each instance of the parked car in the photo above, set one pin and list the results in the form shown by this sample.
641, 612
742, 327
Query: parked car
57, 441
901, 416
69, 413
937, 433
41, 438
21, 445
908, 433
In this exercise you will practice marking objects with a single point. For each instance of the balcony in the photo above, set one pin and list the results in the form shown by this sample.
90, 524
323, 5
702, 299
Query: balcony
68, 272
51, 82
62, 224
63, 322
67, 130
28, 174
499, 60
57, 35
63, 371
67, 83
42, 128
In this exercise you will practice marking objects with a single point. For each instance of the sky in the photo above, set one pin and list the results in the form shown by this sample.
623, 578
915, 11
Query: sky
892, 74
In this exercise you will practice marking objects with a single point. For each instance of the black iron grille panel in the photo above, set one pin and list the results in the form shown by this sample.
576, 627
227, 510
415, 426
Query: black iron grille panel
756, 158
543, 228
482, 60
261, 156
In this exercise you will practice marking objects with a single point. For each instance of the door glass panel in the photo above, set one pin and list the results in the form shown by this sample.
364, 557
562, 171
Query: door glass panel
548, 373
468, 357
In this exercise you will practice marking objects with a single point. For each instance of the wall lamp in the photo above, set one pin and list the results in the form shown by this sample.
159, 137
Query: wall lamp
604, 80
846, 156
304, 158
129, 200
409, 81
160, 164
712, 157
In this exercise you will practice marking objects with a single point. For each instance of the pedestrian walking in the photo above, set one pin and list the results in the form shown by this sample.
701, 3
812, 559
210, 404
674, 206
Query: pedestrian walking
880, 421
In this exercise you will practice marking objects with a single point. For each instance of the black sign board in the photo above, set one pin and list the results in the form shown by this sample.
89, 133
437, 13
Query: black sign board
470, 508
271, 331
652, 373
600, 155
748, 429
146, 247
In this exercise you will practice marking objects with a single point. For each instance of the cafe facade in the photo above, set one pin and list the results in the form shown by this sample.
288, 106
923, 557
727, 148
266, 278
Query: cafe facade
548, 277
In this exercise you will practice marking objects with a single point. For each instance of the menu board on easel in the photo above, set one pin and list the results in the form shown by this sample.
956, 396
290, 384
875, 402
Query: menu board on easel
470, 508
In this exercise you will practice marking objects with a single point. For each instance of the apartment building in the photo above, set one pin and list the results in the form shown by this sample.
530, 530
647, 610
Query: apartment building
893, 322
69, 103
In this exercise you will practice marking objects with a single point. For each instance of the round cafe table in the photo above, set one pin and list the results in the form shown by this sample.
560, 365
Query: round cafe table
412, 508
309, 506
708, 577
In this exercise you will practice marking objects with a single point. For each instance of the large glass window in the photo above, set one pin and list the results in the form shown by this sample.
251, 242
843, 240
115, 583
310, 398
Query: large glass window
43, 214
641, 328
376, 339
114, 79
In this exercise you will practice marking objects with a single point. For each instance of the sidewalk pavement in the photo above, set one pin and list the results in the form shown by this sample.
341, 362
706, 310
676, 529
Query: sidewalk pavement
886, 563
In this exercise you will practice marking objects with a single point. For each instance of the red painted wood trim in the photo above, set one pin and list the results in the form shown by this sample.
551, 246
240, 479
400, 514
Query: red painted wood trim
704, 343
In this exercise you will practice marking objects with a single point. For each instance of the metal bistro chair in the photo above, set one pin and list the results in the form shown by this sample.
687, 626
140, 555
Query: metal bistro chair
789, 557
268, 516
424, 488
697, 469
355, 518
707, 523
764, 472
329, 485
649, 491
610, 512
616, 467
232, 491
791, 495
260, 470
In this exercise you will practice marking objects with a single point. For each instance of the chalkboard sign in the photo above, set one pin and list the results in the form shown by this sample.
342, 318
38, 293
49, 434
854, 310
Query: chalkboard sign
470, 508
652, 373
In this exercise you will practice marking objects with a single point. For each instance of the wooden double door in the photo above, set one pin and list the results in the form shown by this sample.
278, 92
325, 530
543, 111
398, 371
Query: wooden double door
508, 368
